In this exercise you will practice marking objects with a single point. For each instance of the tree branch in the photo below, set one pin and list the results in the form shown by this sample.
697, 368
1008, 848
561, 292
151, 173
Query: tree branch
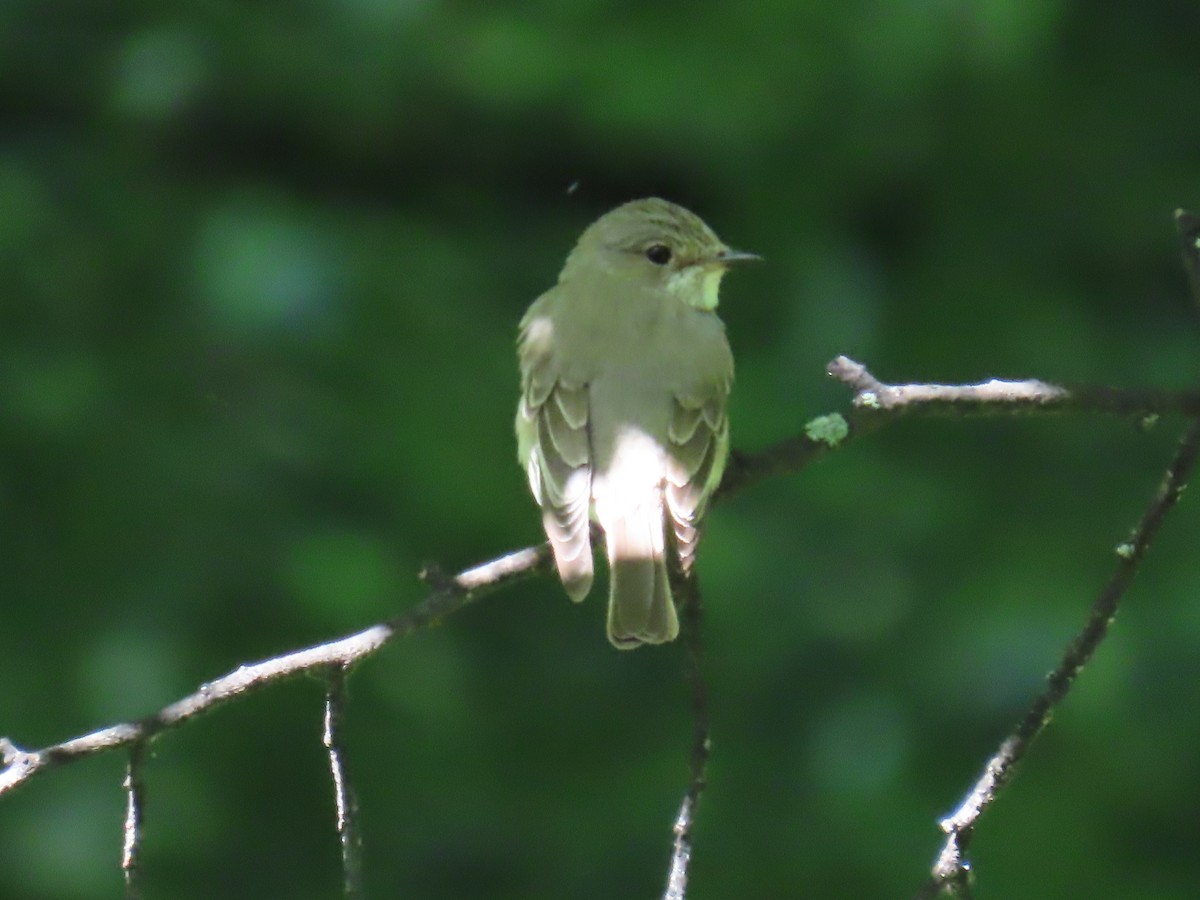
345, 801
692, 609
951, 871
997, 397
135, 799
875, 404
451, 595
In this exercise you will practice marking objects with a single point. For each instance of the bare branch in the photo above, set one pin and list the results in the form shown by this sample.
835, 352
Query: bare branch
692, 609
997, 397
992, 396
950, 871
876, 404
469, 585
135, 803
345, 802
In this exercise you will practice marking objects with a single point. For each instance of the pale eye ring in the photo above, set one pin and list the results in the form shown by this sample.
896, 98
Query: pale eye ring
659, 254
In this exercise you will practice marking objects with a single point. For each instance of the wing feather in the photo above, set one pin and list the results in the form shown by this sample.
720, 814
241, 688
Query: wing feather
698, 433
553, 443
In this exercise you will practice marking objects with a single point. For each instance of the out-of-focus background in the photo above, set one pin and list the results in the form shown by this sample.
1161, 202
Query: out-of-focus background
260, 271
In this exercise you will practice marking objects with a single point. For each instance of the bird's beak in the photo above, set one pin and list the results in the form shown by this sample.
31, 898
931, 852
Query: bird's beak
727, 257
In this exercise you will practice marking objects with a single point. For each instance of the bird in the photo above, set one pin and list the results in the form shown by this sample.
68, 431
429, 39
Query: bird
625, 375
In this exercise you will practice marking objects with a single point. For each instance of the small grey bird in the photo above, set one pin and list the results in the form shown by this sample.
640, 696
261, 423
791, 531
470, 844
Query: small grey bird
625, 373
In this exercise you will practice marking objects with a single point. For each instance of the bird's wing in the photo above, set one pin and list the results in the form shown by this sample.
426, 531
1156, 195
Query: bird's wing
698, 447
553, 445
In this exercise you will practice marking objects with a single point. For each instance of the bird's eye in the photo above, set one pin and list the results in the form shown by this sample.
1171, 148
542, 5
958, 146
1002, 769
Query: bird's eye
659, 254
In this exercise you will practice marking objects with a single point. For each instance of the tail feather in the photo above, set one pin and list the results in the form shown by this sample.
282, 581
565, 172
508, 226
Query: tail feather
640, 607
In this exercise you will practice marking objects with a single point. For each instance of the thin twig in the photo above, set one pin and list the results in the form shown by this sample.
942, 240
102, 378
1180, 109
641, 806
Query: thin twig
135, 805
998, 397
345, 801
950, 871
1029, 395
469, 585
876, 403
692, 609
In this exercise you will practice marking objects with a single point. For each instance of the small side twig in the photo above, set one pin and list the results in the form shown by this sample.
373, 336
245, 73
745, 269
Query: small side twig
692, 610
135, 804
950, 873
345, 801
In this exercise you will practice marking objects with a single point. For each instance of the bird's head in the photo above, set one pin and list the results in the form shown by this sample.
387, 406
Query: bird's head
655, 244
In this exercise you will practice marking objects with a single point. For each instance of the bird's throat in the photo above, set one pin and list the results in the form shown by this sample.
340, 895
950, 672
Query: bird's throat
698, 286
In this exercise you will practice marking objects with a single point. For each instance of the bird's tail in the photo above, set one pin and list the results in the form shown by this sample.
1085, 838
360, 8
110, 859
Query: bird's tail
640, 607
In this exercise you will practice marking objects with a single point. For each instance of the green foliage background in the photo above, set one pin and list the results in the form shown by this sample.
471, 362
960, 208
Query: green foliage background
261, 266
